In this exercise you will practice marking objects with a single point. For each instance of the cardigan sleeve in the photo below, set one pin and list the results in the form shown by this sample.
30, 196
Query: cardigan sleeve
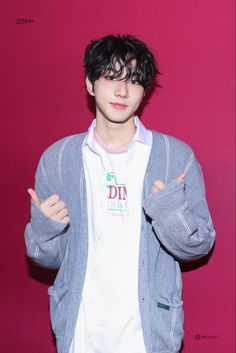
180, 216
46, 239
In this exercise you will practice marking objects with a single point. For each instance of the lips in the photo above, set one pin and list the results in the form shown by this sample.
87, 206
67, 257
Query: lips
119, 105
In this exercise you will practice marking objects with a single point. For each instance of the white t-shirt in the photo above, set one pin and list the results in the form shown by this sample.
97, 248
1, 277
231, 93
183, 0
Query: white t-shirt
109, 318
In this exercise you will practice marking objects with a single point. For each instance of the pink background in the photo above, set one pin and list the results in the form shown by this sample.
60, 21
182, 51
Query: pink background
43, 99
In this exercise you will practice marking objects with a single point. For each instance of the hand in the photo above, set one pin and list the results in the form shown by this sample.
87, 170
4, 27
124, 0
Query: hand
159, 185
52, 207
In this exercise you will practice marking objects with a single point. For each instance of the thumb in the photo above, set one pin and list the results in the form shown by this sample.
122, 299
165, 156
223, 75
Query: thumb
34, 196
181, 177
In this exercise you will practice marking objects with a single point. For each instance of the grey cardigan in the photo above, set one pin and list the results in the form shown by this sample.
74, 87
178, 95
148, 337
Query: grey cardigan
176, 226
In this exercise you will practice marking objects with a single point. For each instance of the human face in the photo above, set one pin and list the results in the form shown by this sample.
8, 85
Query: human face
116, 99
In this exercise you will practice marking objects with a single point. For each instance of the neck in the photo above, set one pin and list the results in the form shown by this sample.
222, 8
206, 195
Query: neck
115, 134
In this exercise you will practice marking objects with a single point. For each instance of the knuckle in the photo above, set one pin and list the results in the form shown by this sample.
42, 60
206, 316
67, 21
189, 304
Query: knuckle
62, 204
61, 214
55, 197
66, 219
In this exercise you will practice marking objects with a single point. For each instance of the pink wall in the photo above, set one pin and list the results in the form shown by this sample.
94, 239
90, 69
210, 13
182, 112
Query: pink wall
43, 98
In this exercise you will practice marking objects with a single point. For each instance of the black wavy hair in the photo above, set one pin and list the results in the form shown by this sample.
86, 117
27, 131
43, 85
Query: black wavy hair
101, 57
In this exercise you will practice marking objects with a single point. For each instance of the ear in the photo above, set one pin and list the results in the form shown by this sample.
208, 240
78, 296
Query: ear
89, 87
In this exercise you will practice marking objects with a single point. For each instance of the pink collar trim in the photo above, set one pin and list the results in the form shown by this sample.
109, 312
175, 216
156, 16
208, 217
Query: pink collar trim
109, 149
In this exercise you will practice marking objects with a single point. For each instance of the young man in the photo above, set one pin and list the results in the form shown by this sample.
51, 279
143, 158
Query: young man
115, 210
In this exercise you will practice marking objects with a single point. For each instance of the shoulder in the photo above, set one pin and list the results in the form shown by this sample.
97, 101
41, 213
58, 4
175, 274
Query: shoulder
177, 154
171, 144
60, 156
68, 144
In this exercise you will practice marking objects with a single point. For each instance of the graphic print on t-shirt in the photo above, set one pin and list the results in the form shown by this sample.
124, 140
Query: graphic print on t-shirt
117, 202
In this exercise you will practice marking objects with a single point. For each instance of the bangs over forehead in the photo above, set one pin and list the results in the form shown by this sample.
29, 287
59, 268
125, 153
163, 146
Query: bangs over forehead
123, 67
123, 57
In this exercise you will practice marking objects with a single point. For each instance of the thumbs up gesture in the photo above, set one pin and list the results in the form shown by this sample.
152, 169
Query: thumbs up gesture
52, 207
159, 185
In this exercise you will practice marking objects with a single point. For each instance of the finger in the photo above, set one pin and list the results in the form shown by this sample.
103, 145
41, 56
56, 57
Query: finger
65, 220
60, 215
34, 196
159, 184
181, 177
50, 201
153, 190
52, 211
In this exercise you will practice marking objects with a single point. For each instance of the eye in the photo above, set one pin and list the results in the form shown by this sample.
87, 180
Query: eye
110, 77
134, 81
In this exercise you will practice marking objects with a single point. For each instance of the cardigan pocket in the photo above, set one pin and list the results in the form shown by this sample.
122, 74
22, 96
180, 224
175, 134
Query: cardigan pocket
167, 325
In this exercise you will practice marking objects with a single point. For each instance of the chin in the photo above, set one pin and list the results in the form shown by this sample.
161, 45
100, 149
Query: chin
119, 119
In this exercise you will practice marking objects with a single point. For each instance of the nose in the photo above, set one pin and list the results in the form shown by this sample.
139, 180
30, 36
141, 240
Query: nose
121, 89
